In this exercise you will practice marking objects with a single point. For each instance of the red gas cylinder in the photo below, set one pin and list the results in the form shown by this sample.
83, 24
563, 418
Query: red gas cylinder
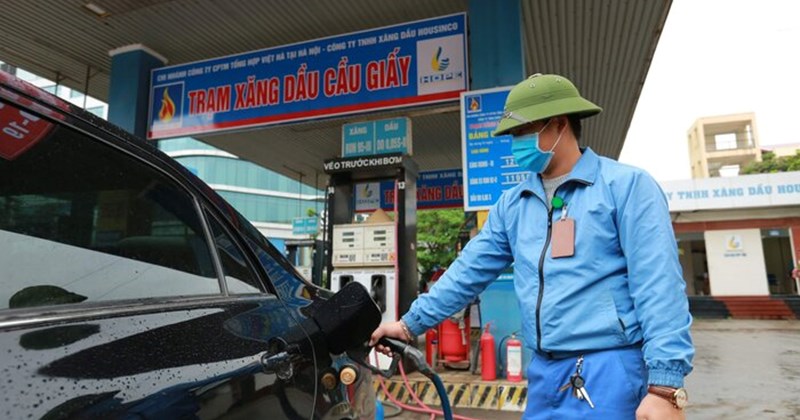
430, 338
488, 360
452, 341
514, 359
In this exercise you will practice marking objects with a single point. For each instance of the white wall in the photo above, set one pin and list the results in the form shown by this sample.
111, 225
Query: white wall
736, 262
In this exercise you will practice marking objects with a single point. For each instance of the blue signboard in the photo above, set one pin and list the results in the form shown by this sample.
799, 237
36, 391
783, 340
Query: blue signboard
304, 226
409, 64
435, 190
489, 167
381, 137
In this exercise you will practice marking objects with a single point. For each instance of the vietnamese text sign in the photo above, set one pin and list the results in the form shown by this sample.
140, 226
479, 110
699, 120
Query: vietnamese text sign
380, 137
745, 191
304, 225
409, 64
362, 163
488, 165
435, 190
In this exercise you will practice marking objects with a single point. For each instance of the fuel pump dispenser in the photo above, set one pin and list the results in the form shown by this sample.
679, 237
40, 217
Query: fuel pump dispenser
307, 256
380, 253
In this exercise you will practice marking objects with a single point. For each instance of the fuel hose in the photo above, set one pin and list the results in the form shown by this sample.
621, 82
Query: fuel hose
417, 358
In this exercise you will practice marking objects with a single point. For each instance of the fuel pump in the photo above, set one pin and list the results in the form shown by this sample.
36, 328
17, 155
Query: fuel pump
307, 257
365, 253
379, 253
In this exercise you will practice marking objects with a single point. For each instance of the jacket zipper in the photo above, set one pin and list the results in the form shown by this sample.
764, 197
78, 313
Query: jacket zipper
541, 279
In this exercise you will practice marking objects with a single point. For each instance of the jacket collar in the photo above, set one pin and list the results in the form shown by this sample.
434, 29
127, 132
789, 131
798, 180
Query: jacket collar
584, 171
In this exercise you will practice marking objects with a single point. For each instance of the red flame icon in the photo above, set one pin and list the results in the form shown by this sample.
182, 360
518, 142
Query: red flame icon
167, 107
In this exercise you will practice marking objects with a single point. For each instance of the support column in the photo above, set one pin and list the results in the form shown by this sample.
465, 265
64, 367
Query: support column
130, 86
495, 43
794, 235
496, 59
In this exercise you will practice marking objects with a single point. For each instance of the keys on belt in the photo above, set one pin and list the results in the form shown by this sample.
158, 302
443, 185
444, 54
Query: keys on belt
577, 383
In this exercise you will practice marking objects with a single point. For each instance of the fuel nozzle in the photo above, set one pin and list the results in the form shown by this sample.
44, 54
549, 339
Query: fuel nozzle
400, 350
409, 353
412, 355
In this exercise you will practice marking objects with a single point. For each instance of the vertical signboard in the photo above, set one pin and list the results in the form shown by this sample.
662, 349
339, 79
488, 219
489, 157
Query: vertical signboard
488, 165
410, 64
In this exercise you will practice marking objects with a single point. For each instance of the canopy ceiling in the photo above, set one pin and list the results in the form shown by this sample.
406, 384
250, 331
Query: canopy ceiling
605, 47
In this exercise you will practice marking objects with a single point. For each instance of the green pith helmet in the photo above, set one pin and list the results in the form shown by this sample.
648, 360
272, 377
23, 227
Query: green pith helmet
543, 96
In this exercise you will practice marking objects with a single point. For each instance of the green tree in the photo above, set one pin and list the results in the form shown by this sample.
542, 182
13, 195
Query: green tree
771, 164
437, 236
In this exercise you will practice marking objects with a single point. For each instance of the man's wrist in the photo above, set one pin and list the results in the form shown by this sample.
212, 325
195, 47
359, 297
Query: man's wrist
406, 331
678, 397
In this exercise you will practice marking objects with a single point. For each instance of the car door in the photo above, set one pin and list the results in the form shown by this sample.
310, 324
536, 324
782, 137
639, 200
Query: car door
115, 300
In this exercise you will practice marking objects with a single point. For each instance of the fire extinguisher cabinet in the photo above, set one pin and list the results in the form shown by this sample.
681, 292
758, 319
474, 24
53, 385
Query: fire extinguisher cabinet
499, 305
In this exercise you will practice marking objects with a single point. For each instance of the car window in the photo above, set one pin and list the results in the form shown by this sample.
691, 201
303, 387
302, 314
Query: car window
238, 274
83, 221
287, 283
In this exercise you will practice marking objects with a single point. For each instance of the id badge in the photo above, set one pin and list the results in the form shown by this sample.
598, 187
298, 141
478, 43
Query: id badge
563, 239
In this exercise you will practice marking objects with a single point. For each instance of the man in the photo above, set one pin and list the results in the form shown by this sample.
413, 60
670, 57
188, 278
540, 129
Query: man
596, 270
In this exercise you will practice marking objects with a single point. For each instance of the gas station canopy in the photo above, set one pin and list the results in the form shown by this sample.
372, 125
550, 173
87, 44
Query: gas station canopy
604, 47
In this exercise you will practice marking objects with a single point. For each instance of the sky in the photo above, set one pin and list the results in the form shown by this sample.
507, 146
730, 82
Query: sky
717, 57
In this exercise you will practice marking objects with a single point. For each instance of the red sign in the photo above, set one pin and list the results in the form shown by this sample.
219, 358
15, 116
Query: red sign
19, 131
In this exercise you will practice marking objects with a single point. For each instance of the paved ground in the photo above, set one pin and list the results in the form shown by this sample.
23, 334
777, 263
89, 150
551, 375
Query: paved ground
744, 369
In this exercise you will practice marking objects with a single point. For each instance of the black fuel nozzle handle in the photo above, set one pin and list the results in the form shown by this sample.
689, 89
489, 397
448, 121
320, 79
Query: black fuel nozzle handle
360, 356
396, 346
409, 353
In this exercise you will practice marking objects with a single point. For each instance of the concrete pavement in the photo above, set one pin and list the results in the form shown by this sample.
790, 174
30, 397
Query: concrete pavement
744, 369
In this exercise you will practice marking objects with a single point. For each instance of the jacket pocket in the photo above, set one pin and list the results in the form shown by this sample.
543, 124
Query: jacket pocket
615, 319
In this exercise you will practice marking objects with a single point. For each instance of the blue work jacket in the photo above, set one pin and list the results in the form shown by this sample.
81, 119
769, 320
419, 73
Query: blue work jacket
622, 286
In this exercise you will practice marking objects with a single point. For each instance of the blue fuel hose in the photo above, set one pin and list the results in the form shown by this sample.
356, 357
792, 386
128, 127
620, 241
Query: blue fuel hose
446, 410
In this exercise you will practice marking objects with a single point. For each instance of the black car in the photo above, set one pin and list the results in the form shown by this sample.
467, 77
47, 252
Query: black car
130, 289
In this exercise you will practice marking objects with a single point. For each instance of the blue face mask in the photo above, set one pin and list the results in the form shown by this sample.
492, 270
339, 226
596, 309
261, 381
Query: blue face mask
529, 155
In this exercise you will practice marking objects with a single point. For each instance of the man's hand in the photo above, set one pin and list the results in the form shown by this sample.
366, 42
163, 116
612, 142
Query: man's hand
654, 407
391, 330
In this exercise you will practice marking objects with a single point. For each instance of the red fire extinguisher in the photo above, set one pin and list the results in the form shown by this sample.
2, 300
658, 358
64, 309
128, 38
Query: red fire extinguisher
431, 337
514, 359
488, 363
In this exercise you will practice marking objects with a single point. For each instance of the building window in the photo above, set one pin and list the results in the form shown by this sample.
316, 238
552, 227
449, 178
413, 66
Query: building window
726, 141
26, 75
49, 89
729, 170
97, 110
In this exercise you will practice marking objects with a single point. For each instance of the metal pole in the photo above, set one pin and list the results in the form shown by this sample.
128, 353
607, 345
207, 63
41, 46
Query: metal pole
86, 85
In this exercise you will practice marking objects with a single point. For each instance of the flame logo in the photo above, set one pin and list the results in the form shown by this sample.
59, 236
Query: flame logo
167, 107
367, 191
438, 63
474, 104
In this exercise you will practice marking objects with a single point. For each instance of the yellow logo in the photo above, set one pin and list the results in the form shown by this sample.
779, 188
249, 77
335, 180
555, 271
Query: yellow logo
474, 104
734, 243
438, 63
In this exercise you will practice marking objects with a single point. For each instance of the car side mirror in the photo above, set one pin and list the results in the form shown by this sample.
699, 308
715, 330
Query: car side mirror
348, 318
